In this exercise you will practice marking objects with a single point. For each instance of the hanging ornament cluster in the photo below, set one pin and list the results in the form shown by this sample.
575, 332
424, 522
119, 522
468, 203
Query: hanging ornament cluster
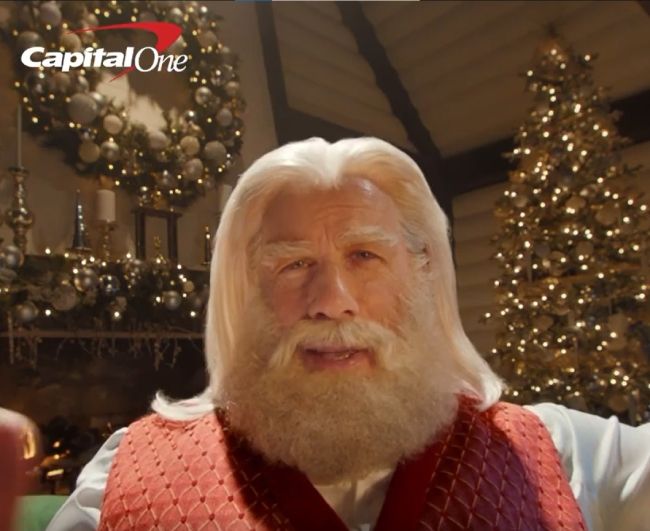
163, 167
572, 300
80, 292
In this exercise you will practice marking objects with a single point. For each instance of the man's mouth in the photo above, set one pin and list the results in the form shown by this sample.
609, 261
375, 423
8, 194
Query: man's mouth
318, 357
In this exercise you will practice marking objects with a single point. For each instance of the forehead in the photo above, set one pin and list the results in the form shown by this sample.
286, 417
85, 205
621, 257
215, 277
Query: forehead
296, 210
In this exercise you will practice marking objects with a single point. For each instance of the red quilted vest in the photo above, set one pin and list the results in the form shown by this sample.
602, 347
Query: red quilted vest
494, 470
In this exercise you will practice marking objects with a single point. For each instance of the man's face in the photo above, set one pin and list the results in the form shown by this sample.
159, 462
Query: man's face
334, 255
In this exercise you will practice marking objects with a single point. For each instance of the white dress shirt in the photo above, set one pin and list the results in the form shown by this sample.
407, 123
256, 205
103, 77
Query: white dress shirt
607, 463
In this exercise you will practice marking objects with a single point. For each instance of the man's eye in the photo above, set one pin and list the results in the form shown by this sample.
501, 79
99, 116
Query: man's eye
364, 255
297, 264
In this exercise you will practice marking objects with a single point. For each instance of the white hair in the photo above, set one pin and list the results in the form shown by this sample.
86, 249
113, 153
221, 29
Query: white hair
317, 163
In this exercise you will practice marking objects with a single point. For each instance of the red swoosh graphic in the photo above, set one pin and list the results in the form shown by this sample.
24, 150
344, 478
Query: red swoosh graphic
166, 33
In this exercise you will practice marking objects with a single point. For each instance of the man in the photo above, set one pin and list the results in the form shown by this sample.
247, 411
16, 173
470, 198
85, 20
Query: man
344, 393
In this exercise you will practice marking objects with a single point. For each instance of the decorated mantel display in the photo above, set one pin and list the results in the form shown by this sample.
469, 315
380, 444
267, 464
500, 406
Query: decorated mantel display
170, 166
96, 294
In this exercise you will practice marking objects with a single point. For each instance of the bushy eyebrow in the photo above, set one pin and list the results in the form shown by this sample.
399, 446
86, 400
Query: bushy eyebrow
274, 250
368, 234
355, 235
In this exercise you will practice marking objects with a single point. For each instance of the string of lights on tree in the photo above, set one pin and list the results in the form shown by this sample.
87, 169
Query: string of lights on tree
572, 313
163, 167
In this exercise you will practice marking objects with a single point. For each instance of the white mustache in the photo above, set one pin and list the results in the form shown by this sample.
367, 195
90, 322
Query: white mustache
357, 334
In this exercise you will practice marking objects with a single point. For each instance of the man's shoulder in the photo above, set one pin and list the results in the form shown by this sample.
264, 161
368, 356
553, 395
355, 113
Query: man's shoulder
156, 423
499, 410
513, 418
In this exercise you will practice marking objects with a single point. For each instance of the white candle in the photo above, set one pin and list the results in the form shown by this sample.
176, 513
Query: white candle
19, 137
106, 205
224, 193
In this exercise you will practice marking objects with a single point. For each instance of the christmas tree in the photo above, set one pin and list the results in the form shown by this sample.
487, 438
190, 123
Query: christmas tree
572, 299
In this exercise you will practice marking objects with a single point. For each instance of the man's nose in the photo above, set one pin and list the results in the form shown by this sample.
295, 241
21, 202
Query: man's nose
330, 294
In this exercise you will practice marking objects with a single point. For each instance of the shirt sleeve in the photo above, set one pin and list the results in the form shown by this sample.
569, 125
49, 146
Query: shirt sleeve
607, 464
80, 512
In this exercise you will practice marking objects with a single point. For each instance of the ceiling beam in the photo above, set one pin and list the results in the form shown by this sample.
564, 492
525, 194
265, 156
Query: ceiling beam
386, 77
292, 125
485, 165
389, 82
645, 4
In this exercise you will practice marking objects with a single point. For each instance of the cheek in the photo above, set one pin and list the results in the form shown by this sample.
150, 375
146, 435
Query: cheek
285, 301
380, 299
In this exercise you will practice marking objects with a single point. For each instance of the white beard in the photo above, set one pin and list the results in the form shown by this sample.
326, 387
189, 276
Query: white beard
341, 424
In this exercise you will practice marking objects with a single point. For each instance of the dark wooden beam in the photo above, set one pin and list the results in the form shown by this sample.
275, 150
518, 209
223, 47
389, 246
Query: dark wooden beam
389, 82
645, 4
292, 125
485, 165
386, 77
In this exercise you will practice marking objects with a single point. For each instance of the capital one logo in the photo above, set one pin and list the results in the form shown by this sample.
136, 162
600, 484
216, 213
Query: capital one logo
146, 59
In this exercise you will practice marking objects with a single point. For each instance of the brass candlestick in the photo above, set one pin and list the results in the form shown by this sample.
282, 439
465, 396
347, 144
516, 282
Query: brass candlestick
80, 246
106, 227
207, 245
19, 217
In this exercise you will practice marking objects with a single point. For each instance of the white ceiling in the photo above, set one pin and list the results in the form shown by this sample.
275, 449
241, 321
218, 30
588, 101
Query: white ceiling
459, 61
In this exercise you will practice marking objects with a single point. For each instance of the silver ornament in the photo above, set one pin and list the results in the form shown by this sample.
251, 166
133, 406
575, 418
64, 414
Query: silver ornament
584, 248
171, 299
175, 15
11, 257
50, 13
607, 215
89, 152
91, 20
64, 297
202, 95
224, 117
188, 286
7, 276
232, 88
86, 279
112, 124
147, 16
26, 312
575, 203
207, 38
215, 152
62, 81
82, 109
190, 145
188, 117
87, 37
177, 46
28, 39
100, 100
71, 42
157, 139
133, 270
226, 55
110, 150
109, 285
193, 169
